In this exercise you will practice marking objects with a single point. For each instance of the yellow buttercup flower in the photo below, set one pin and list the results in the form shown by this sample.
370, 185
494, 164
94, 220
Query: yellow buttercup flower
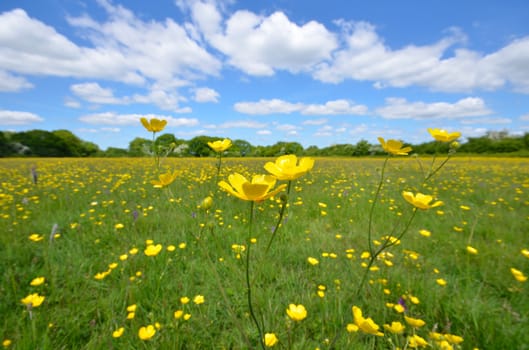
287, 167
33, 300
472, 250
421, 201
366, 325
395, 327
518, 275
153, 250
394, 147
165, 179
443, 135
416, 341
270, 339
118, 332
220, 145
296, 312
259, 189
414, 322
146, 333
37, 281
154, 125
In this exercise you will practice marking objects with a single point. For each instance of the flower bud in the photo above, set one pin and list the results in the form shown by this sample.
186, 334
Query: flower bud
207, 203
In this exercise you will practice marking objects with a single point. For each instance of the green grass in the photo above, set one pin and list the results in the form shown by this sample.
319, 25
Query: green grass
327, 219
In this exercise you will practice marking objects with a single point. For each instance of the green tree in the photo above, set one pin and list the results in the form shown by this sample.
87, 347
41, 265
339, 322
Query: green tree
42, 143
362, 148
198, 146
139, 147
240, 148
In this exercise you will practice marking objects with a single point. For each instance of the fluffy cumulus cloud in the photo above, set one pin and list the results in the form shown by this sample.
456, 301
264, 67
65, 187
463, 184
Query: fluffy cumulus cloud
278, 106
94, 93
365, 57
111, 118
123, 48
8, 117
400, 108
206, 95
260, 45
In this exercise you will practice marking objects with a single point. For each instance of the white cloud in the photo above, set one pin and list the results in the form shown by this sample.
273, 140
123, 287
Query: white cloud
277, 106
315, 121
70, 102
260, 45
206, 95
250, 124
264, 132
335, 107
94, 93
367, 58
287, 127
18, 118
262, 107
487, 121
124, 48
13, 83
400, 108
111, 118
524, 117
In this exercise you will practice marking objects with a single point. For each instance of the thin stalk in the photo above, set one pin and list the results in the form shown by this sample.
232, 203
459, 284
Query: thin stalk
377, 193
281, 214
248, 284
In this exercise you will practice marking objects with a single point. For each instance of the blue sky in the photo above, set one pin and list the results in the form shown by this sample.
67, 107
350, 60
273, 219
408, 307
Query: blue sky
314, 72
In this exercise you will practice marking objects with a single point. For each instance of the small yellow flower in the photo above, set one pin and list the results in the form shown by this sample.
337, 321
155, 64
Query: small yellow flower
420, 200
35, 237
178, 314
7, 343
414, 322
153, 250
184, 300
199, 299
259, 189
146, 333
33, 300
132, 308
165, 179
270, 339
441, 282
525, 252
443, 135
395, 327
425, 233
399, 308
187, 317
206, 203
119, 226
287, 168
416, 341
296, 312
518, 275
118, 332
312, 261
351, 327
366, 325
394, 147
220, 145
472, 250
153, 125
37, 281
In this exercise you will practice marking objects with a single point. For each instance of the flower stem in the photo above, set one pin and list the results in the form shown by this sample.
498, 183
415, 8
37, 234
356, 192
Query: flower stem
281, 214
377, 193
248, 284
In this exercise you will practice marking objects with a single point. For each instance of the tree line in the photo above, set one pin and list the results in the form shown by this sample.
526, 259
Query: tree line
63, 143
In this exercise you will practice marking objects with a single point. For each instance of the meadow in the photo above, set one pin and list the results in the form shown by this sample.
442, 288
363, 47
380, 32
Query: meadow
93, 256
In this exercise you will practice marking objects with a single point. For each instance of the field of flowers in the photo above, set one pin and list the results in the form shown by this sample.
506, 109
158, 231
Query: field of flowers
153, 254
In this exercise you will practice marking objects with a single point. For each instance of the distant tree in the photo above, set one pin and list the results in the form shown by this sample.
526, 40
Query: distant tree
311, 151
115, 152
361, 148
5, 146
240, 148
198, 146
139, 147
90, 149
42, 143
477, 145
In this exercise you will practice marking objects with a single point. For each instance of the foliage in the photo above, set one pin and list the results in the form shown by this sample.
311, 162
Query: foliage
64, 143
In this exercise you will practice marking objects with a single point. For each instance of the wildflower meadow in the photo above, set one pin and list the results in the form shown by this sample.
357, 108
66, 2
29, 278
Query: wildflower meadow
393, 252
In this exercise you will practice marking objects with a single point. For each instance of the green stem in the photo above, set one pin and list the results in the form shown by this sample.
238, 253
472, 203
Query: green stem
377, 193
248, 284
281, 214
